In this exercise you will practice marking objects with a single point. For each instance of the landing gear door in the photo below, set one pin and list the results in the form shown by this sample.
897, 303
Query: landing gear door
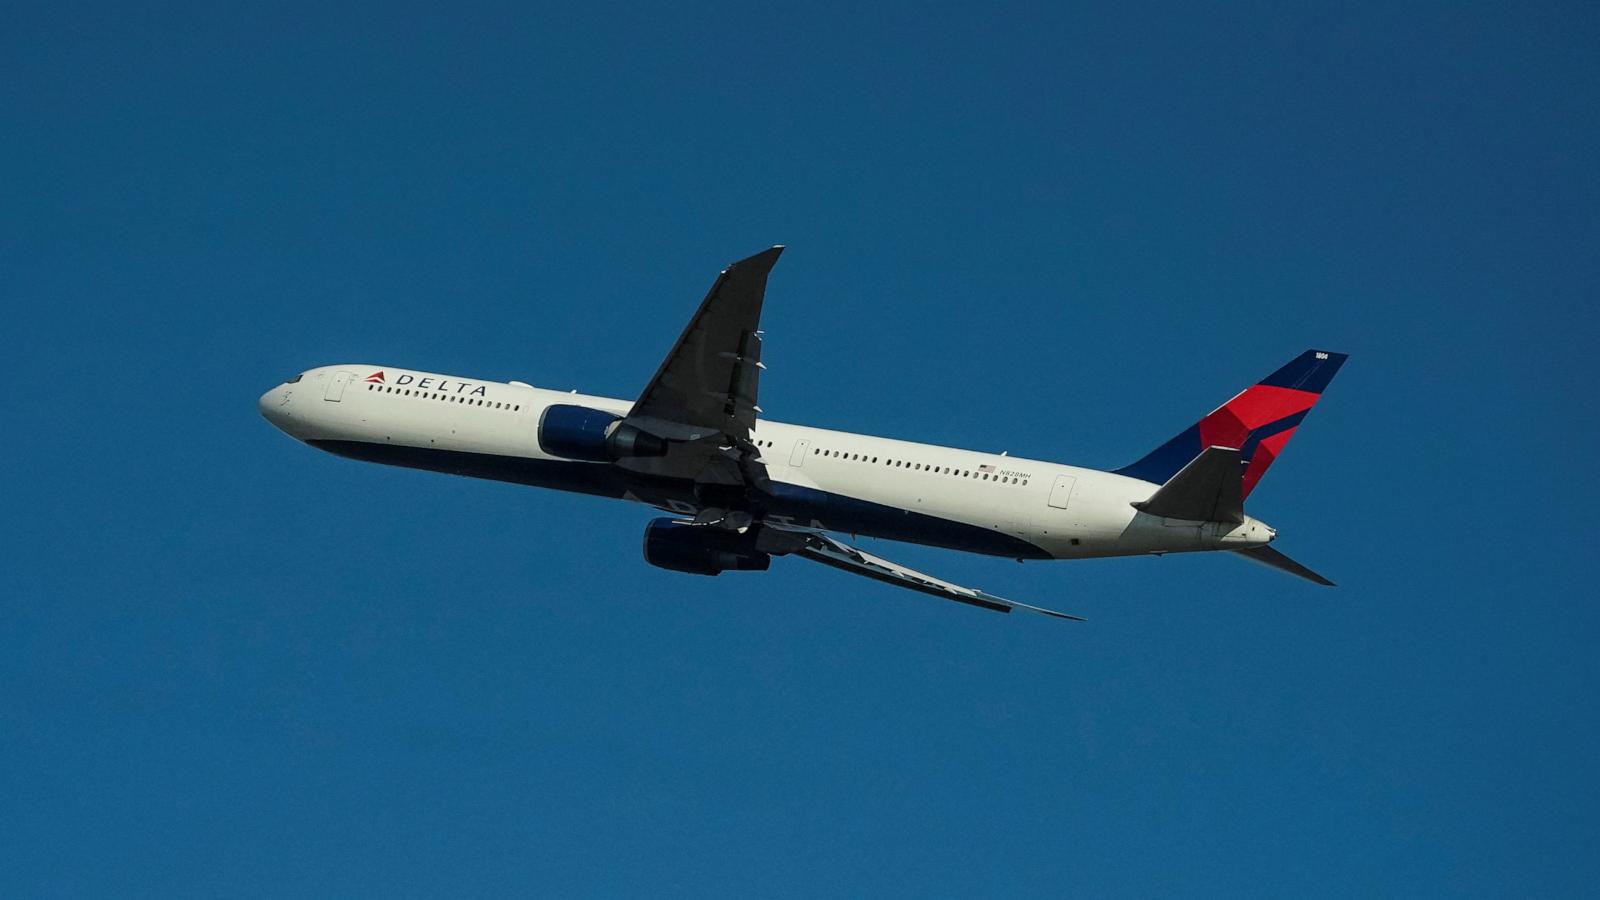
335, 391
797, 457
1061, 491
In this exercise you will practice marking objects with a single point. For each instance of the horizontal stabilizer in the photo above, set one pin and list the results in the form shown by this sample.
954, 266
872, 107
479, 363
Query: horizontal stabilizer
1270, 557
1208, 489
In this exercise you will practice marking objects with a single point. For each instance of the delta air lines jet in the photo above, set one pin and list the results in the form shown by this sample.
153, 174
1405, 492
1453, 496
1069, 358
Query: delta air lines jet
741, 489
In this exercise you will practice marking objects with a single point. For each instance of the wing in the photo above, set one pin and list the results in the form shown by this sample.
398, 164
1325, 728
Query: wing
702, 400
708, 381
823, 549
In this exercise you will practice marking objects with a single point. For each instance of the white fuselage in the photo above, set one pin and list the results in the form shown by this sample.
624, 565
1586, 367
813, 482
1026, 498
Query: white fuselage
838, 481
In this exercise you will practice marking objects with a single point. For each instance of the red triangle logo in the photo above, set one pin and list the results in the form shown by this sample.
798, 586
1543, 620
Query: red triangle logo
376, 377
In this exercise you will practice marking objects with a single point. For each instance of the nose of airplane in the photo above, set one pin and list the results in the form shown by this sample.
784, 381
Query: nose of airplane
274, 407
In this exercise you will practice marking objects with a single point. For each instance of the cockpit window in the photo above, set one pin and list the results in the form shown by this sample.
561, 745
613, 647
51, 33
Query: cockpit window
294, 379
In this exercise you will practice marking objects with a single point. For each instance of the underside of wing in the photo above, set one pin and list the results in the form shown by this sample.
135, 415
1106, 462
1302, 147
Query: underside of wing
702, 400
823, 549
709, 379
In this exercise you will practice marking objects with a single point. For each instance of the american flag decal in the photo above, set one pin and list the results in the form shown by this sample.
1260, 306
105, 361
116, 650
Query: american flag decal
986, 468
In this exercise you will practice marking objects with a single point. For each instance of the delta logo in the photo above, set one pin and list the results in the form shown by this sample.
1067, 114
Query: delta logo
429, 383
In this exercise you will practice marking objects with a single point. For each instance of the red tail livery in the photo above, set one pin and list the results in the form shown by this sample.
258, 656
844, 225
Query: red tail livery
1258, 422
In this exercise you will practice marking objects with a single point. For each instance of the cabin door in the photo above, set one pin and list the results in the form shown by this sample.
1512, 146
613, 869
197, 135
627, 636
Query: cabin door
1061, 492
335, 391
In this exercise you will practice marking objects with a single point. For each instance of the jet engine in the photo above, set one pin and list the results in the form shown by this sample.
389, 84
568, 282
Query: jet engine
701, 549
592, 435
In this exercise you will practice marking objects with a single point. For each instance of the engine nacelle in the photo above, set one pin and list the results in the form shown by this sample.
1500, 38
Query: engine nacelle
593, 435
701, 549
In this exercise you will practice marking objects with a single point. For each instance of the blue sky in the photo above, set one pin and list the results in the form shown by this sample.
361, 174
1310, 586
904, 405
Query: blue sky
230, 665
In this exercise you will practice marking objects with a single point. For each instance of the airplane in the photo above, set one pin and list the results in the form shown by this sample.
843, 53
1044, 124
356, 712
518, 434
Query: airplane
740, 489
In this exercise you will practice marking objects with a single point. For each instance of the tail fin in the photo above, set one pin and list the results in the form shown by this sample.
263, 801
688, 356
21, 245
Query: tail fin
1258, 422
